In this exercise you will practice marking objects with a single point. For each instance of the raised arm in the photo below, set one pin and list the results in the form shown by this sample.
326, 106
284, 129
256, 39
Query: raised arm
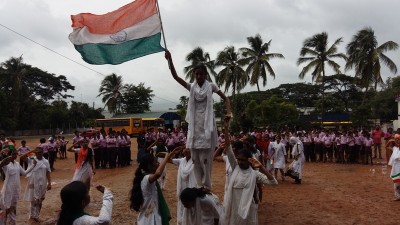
26, 154
227, 104
173, 71
218, 152
160, 169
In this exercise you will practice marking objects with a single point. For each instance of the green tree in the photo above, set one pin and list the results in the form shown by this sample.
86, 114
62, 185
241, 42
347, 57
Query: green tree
182, 107
365, 57
23, 84
232, 74
299, 94
111, 92
197, 57
382, 103
257, 59
345, 89
136, 99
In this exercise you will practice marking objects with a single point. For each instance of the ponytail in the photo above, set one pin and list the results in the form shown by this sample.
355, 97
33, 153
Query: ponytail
136, 194
72, 196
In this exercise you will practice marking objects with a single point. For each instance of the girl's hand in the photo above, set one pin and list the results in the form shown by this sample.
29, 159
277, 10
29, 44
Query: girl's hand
100, 188
168, 55
255, 163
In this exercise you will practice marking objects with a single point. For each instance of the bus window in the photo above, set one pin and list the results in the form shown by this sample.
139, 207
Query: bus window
136, 123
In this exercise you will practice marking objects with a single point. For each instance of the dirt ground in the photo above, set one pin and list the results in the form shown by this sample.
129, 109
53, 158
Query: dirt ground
330, 194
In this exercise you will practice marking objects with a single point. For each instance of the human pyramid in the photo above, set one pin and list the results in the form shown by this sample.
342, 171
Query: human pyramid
196, 202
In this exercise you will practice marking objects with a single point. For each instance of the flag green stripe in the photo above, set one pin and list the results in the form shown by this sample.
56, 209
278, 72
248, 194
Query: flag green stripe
99, 54
397, 175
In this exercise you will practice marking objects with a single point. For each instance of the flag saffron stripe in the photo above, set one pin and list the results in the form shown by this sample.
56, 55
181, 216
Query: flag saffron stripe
145, 28
116, 54
117, 20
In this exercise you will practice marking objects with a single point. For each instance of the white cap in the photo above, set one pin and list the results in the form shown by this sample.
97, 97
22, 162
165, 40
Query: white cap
51, 138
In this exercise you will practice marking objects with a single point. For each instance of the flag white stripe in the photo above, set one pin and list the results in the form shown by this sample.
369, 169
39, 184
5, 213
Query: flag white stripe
145, 28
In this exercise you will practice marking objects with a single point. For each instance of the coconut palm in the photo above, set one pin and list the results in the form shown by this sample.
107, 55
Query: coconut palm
257, 60
317, 52
365, 56
111, 89
13, 80
197, 57
232, 74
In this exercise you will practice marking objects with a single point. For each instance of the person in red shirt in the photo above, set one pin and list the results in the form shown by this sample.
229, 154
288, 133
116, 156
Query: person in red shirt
377, 136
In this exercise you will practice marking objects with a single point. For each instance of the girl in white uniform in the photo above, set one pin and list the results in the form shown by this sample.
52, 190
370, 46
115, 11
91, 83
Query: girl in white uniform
201, 207
75, 197
202, 132
146, 195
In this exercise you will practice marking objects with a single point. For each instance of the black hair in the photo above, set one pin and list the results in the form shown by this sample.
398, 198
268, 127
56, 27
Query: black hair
136, 195
72, 195
237, 145
249, 142
42, 140
190, 194
246, 153
201, 67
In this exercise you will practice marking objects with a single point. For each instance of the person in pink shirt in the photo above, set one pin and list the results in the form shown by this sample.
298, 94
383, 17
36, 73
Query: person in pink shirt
23, 149
368, 142
377, 136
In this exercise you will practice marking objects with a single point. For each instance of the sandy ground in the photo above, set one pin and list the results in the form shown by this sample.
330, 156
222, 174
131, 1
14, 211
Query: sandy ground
330, 194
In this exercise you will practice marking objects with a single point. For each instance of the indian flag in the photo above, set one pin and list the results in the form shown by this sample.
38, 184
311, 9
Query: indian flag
396, 178
127, 33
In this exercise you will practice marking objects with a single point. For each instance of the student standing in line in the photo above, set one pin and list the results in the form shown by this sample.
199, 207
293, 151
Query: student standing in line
23, 149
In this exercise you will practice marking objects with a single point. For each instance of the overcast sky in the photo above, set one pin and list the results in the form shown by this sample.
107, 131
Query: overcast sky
211, 24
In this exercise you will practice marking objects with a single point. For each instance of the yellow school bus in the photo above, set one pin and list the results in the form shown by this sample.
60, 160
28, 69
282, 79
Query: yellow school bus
132, 125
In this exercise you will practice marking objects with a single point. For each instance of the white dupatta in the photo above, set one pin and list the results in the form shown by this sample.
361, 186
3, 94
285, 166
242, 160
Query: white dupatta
246, 197
200, 93
184, 172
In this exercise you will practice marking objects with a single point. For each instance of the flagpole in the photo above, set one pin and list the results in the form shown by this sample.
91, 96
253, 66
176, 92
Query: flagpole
162, 28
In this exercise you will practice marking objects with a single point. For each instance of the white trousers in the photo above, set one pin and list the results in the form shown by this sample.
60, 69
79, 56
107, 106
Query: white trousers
202, 160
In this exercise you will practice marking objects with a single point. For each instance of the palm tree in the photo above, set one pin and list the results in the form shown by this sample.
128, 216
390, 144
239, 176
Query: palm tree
197, 57
232, 74
317, 52
365, 56
13, 76
111, 89
257, 58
